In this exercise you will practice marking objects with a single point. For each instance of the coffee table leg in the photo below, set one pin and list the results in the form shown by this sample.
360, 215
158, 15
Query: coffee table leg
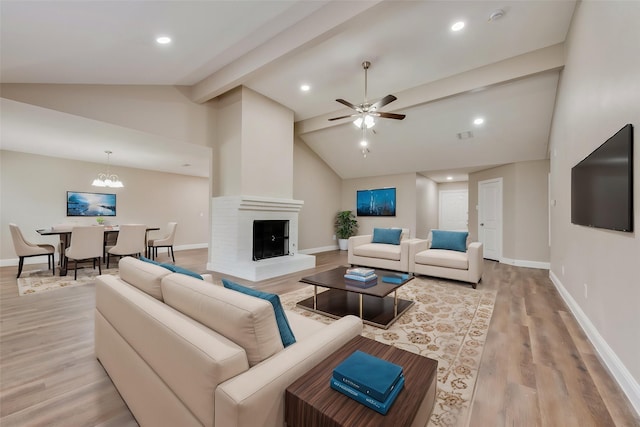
395, 303
315, 297
360, 298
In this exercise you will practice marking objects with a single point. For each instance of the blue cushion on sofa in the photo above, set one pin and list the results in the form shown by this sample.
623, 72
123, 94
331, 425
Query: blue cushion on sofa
451, 240
286, 334
390, 236
173, 268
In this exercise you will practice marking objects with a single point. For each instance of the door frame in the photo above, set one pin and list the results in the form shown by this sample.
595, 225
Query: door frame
500, 202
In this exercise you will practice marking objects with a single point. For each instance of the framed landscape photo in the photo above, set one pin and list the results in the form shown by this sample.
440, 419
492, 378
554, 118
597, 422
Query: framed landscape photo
90, 204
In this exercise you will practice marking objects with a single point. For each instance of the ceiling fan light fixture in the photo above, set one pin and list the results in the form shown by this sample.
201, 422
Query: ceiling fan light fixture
364, 143
368, 121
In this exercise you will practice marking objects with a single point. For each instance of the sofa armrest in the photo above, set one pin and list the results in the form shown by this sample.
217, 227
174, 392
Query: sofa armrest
256, 397
405, 244
476, 261
208, 278
416, 246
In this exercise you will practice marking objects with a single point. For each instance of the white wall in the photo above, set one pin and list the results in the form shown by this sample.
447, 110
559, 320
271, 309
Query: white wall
599, 93
33, 195
427, 203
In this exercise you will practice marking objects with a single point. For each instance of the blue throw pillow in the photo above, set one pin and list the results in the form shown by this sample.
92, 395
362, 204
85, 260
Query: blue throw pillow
390, 236
451, 240
150, 261
176, 269
286, 334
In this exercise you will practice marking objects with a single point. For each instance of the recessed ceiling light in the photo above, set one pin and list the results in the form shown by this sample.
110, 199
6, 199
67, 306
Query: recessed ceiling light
305, 88
478, 121
163, 40
457, 26
449, 178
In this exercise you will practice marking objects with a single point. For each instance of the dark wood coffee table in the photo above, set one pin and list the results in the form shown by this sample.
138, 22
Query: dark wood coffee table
311, 402
373, 305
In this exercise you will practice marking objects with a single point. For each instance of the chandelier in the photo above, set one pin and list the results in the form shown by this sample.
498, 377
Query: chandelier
107, 179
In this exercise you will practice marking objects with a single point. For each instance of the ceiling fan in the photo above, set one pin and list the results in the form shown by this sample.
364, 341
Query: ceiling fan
366, 111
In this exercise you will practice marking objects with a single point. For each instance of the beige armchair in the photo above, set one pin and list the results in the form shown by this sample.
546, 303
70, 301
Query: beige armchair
449, 264
165, 242
131, 241
362, 251
26, 249
86, 245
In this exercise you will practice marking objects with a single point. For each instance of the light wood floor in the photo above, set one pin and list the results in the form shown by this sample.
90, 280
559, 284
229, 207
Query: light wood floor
538, 369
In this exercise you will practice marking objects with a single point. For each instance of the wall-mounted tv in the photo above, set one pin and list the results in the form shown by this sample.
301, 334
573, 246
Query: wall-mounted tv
602, 185
377, 202
90, 204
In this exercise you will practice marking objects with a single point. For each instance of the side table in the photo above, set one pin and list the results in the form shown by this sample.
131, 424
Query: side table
310, 401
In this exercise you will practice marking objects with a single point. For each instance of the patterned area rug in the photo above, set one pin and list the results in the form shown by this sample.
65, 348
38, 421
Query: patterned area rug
37, 281
449, 323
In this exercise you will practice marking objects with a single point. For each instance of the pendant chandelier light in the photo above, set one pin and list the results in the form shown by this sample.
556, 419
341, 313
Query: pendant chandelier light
107, 179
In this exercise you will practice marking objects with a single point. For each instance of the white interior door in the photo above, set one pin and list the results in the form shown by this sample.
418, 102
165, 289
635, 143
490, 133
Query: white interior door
454, 210
490, 217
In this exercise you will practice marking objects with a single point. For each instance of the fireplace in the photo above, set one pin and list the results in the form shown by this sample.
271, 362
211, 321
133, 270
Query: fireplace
270, 239
233, 239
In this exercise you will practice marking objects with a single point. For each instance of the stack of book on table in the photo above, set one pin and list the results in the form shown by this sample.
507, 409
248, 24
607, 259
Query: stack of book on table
367, 379
363, 277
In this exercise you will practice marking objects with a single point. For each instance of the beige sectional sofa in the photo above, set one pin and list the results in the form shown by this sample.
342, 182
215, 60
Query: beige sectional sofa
363, 252
449, 264
185, 352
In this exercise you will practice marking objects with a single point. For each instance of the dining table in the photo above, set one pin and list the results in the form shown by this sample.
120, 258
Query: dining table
65, 239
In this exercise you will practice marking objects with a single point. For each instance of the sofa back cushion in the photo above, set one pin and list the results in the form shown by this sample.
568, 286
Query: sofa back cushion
247, 321
142, 275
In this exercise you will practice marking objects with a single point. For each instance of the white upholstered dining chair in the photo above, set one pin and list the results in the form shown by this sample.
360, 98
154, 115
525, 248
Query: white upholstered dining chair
131, 241
164, 242
26, 249
86, 245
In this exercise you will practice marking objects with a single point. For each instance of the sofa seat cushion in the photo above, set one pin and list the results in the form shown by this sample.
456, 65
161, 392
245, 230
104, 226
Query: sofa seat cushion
247, 321
378, 250
443, 258
142, 275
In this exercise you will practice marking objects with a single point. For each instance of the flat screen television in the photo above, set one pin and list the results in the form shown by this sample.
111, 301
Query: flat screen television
90, 204
602, 185
377, 202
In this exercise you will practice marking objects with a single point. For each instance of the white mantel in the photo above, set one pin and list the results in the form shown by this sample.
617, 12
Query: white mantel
232, 237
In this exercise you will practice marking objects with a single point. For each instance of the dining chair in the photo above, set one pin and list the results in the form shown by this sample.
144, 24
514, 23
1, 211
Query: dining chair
110, 239
131, 241
86, 245
26, 249
165, 242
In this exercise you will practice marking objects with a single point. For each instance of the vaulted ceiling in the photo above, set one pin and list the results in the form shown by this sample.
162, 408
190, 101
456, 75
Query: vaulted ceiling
505, 70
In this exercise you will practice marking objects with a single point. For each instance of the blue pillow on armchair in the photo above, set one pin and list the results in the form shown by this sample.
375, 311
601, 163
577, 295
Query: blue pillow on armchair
390, 236
451, 240
286, 334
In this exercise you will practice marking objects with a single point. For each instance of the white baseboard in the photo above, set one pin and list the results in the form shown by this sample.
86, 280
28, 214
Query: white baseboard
525, 263
620, 373
320, 249
10, 262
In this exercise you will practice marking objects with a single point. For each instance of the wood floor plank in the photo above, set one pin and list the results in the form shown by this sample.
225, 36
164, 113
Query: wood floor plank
538, 368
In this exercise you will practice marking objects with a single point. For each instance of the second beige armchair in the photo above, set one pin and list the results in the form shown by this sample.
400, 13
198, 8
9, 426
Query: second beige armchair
164, 242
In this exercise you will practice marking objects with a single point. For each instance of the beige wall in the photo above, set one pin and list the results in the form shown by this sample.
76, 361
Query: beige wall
319, 186
525, 212
159, 110
405, 201
426, 206
227, 173
598, 94
33, 195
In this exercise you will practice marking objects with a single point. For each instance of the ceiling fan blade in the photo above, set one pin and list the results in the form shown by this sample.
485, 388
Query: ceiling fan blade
348, 104
388, 115
384, 101
343, 117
